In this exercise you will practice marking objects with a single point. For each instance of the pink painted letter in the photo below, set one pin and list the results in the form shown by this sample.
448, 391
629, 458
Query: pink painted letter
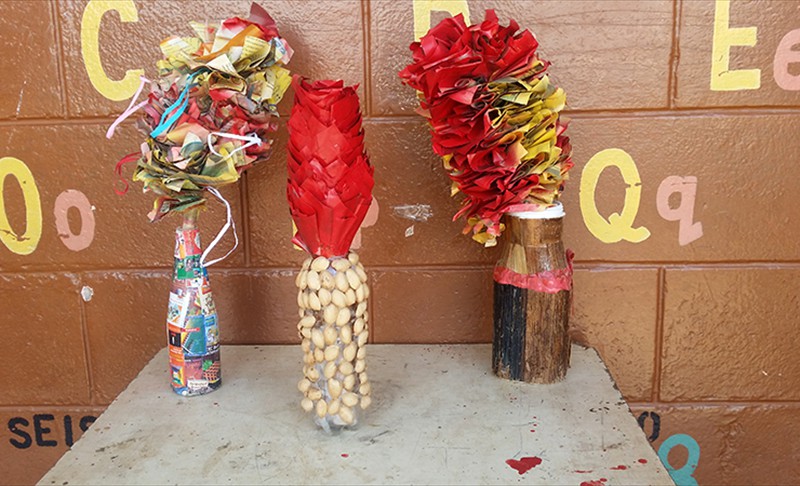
688, 231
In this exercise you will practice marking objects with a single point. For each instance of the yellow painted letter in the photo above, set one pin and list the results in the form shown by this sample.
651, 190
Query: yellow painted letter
90, 48
722, 78
27, 243
423, 9
619, 226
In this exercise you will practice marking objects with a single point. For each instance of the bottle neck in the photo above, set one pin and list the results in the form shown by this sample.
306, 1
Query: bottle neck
534, 232
190, 219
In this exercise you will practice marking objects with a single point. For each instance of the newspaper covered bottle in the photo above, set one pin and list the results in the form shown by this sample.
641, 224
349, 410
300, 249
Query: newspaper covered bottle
192, 328
334, 327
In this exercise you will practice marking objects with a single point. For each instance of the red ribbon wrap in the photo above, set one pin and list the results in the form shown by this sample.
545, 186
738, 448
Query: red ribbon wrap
550, 282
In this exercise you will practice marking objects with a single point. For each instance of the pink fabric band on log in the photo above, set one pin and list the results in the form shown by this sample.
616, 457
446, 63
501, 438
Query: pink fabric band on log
550, 282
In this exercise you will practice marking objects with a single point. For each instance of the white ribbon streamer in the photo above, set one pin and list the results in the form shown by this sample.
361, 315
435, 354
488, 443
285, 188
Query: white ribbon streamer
251, 140
228, 225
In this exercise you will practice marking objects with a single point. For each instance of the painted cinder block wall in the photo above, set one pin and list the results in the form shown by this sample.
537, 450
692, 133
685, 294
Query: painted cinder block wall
700, 337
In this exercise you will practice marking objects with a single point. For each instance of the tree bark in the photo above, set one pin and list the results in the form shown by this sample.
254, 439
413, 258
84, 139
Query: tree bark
532, 303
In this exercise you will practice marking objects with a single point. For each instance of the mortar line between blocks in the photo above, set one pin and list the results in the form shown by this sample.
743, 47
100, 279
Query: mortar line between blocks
371, 276
87, 354
589, 266
659, 337
62, 122
54, 408
586, 114
674, 53
714, 403
637, 113
245, 220
366, 57
60, 59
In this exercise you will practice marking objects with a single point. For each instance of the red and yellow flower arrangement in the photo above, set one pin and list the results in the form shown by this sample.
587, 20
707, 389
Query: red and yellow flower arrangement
494, 119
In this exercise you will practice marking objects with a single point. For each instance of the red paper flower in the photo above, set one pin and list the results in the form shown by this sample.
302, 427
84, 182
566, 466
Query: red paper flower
493, 116
330, 177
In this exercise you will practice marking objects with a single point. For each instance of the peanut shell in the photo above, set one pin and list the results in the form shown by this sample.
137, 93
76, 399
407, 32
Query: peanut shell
313, 281
314, 393
350, 297
349, 399
331, 353
352, 279
334, 388
326, 280
324, 296
330, 334
329, 370
346, 415
317, 338
346, 368
349, 352
313, 301
301, 280
341, 264
319, 264
343, 316
307, 321
349, 382
329, 314
346, 334
322, 408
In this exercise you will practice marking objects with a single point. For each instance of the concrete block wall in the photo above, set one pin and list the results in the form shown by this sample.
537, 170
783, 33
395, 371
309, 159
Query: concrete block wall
700, 334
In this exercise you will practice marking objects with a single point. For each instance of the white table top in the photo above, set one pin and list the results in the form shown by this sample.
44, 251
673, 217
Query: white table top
439, 416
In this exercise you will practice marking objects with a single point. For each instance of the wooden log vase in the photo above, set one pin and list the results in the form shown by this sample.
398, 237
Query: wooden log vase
532, 299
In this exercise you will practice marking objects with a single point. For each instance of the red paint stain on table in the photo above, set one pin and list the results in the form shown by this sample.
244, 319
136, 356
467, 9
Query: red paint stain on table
621, 467
524, 464
600, 482
642, 461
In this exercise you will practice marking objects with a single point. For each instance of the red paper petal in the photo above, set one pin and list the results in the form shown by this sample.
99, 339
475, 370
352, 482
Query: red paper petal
330, 178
